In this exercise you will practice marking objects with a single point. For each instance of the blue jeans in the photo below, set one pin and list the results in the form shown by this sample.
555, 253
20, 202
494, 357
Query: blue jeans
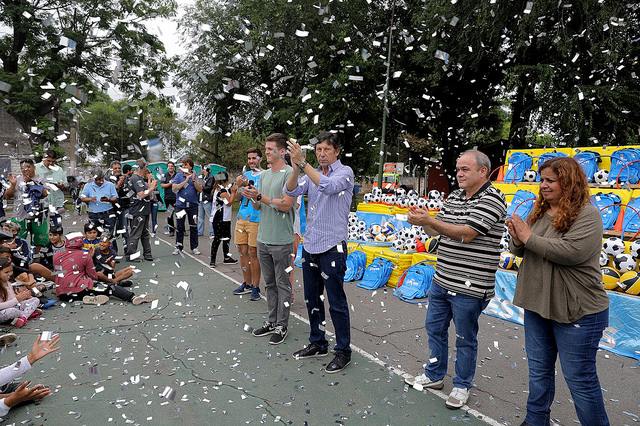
154, 216
192, 217
576, 344
465, 311
204, 209
326, 271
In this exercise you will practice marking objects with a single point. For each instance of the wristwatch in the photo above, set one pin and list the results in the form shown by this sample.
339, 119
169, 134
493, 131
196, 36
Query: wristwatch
259, 197
302, 165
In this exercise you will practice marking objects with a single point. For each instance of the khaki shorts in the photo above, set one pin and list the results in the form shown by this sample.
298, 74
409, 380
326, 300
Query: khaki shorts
246, 233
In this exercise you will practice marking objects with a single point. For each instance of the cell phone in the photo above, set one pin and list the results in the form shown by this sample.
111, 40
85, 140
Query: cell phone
104, 198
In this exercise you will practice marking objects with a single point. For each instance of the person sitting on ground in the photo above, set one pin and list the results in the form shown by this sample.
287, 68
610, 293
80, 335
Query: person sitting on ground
104, 260
25, 279
22, 251
21, 273
91, 236
55, 244
75, 275
12, 393
19, 307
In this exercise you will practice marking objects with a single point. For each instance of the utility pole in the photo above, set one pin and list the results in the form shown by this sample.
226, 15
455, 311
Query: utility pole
386, 100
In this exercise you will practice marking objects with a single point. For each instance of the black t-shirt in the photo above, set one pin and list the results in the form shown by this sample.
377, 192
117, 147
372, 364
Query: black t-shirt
100, 260
169, 195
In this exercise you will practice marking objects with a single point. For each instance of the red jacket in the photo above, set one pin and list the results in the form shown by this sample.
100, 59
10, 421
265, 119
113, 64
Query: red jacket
73, 267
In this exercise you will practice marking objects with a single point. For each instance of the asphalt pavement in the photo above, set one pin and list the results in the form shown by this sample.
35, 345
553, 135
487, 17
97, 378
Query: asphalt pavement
188, 358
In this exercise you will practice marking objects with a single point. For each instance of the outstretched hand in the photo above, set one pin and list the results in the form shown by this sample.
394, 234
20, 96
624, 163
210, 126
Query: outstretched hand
40, 349
23, 394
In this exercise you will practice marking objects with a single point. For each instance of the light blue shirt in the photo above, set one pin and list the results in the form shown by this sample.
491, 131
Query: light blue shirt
329, 204
106, 190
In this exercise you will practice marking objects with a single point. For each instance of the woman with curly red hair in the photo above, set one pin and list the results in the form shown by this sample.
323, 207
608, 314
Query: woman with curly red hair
559, 286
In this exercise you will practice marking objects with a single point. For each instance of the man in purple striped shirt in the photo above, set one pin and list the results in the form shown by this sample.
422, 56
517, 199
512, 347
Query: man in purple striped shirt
329, 189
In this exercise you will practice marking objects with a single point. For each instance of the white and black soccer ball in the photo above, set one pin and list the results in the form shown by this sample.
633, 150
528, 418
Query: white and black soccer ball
368, 198
376, 191
504, 245
353, 227
434, 194
604, 259
634, 248
390, 199
601, 176
376, 198
411, 233
353, 236
412, 193
624, 263
613, 246
362, 225
413, 202
403, 202
411, 244
401, 192
422, 202
529, 175
398, 244
433, 204
353, 218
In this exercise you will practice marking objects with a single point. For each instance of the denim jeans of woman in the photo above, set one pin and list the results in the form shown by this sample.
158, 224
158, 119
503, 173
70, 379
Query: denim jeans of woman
576, 344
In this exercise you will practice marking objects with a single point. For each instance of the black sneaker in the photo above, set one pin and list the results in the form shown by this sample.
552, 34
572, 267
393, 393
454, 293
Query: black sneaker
309, 351
339, 362
267, 328
230, 261
278, 336
212, 264
125, 283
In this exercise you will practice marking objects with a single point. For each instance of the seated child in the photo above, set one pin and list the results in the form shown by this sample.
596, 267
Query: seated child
11, 393
55, 244
75, 275
91, 236
15, 307
104, 260
22, 250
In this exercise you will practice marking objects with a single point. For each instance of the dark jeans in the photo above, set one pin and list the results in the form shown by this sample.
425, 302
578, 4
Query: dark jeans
192, 217
139, 231
576, 344
222, 235
465, 311
326, 271
171, 206
122, 227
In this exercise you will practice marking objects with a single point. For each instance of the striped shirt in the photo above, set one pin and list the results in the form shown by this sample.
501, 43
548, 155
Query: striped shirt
328, 209
469, 268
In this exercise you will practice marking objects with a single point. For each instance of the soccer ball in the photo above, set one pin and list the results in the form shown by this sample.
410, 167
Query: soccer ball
504, 244
434, 194
613, 246
433, 204
507, 259
624, 262
529, 175
353, 236
376, 191
400, 192
388, 228
412, 193
630, 282
610, 278
390, 199
353, 219
413, 202
397, 244
601, 176
422, 202
376, 198
604, 259
634, 248
411, 245
368, 198
375, 229
362, 225
403, 202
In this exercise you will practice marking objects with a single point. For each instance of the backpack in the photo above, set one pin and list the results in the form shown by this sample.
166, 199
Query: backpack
356, 263
377, 274
589, 162
517, 163
548, 156
522, 203
608, 203
631, 221
622, 170
415, 282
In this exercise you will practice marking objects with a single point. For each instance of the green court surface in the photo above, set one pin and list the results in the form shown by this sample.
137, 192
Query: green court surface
190, 359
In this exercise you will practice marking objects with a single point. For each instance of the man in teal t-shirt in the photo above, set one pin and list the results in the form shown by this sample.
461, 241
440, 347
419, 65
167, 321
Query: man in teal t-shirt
275, 237
246, 234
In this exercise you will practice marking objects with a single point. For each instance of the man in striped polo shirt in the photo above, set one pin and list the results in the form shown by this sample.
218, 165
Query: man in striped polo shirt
470, 225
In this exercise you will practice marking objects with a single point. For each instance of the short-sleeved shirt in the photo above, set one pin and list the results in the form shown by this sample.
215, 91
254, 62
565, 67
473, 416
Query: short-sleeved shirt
139, 206
246, 210
51, 177
100, 260
107, 189
276, 227
169, 195
222, 210
187, 196
469, 267
87, 244
47, 252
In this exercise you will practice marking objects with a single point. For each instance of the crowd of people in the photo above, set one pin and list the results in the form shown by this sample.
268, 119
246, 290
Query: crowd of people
565, 309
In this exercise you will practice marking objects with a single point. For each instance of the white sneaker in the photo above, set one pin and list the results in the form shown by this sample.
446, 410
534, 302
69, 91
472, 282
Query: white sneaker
457, 398
211, 237
423, 382
176, 251
196, 251
95, 300
149, 297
